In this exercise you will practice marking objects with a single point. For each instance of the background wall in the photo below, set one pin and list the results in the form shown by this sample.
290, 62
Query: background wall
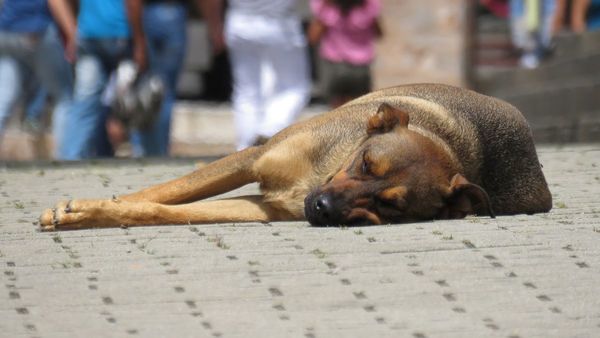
424, 41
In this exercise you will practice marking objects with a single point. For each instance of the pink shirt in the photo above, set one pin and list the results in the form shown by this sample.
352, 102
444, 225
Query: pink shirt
348, 38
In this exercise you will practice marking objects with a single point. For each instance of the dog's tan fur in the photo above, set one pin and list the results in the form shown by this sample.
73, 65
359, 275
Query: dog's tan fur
432, 151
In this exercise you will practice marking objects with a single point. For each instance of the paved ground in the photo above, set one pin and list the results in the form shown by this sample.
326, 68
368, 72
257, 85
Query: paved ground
522, 276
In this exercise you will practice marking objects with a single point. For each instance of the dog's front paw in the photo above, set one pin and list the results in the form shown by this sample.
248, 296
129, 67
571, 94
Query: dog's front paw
50, 218
76, 214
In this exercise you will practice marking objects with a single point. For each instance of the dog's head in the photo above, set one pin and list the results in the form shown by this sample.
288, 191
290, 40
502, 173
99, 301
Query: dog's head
397, 175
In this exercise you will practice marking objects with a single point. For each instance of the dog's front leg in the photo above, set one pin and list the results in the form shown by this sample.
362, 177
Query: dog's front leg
80, 214
221, 176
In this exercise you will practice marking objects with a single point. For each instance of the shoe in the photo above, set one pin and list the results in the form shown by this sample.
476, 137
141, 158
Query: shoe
529, 61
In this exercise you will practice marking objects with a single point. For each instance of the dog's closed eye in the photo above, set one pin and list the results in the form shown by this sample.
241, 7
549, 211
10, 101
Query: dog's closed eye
364, 167
366, 164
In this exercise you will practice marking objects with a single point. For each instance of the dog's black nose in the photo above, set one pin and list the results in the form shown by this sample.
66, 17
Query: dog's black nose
321, 210
323, 205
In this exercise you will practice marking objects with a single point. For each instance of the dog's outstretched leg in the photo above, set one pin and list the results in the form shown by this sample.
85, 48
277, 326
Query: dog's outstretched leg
223, 175
152, 205
82, 214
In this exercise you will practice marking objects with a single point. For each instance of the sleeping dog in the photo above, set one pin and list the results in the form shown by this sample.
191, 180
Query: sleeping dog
401, 154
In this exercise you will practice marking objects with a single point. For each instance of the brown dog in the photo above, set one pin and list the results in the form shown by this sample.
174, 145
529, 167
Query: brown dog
407, 153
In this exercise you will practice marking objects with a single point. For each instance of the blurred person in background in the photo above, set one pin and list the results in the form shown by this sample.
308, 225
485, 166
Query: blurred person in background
165, 24
260, 35
346, 31
105, 33
165, 28
580, 15
30, 54
531, 24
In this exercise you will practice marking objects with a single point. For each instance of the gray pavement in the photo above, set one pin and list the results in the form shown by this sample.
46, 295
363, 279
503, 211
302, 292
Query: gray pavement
521, 276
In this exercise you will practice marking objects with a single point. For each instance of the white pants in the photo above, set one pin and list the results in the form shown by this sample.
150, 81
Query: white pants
259, 46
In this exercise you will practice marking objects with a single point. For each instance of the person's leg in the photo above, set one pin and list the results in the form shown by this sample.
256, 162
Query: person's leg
85, 115
35, 109
246, 97
578, 17
56, 77
533, 26
291, 89
10, 88
166, 34
518, 29
548, 13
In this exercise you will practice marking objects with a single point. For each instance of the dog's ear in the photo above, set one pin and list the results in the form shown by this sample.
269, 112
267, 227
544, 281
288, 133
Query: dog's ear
387, 118
465, 198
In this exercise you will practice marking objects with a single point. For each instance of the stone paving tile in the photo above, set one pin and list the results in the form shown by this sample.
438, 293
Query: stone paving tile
521, 276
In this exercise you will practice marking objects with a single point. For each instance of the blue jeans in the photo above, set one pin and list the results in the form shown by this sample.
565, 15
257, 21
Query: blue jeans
165, 27
531, 41
35, 107
96, 59
43, 60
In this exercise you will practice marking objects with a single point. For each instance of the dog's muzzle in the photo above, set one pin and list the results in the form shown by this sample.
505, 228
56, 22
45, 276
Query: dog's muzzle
320, 209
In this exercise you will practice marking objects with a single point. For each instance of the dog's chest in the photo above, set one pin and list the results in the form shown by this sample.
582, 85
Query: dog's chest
285, 172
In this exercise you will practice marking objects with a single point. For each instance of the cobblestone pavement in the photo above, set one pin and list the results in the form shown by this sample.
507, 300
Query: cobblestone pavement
521, 276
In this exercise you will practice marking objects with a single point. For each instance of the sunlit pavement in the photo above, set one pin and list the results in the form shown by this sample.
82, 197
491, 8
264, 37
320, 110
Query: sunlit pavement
522, 276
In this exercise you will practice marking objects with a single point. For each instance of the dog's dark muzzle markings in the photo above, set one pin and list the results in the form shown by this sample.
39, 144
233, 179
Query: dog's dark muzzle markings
330, 207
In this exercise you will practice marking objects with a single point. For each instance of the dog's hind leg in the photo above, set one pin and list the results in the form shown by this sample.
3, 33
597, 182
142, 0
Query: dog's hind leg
80, 214
223, 175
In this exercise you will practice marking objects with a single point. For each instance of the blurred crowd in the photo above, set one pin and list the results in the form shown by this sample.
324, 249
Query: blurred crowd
109, 68
535, 23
